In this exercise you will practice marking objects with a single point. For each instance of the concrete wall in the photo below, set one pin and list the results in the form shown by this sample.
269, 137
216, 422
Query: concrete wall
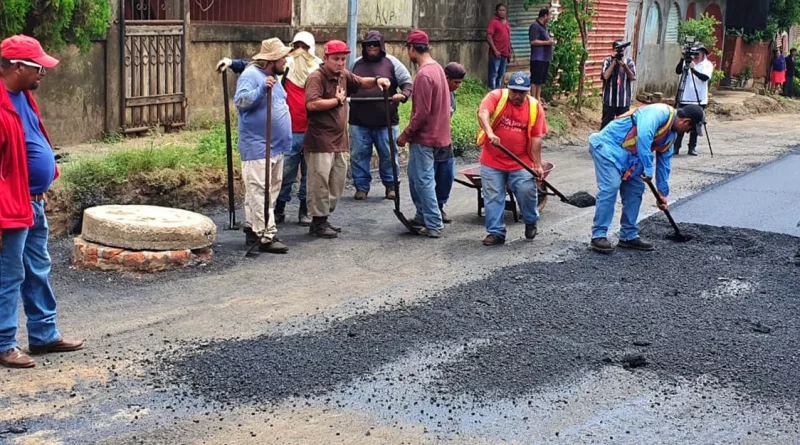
72, 96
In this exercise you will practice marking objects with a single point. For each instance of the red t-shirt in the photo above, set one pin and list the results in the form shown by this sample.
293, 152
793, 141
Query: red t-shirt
501, 36
512, 129
296, 99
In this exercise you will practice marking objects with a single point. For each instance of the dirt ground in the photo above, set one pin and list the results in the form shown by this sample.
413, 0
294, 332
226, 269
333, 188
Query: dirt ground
115, 390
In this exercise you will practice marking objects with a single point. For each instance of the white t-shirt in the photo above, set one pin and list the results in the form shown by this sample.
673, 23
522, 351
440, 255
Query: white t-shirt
689, 96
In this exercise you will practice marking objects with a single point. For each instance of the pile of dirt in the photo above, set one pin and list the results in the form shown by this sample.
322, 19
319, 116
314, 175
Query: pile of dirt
754, 105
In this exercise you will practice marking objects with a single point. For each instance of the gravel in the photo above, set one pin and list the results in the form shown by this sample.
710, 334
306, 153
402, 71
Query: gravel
724, 305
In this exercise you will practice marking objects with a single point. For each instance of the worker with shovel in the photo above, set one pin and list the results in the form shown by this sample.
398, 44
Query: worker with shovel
326, 140
257, 81
513, 119
627, 153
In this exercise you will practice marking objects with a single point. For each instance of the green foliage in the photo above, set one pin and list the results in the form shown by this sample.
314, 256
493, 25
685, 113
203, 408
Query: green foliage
566, 57
56, 22
749, 37
716, 77
783, 14
702, 30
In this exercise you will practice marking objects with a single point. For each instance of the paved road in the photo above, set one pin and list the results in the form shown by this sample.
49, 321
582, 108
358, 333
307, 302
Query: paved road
380, 337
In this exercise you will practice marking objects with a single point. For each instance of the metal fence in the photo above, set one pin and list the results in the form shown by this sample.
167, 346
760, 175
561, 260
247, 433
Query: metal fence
241, 11
145, 9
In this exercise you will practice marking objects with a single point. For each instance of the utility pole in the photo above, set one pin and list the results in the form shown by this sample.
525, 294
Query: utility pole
352, 31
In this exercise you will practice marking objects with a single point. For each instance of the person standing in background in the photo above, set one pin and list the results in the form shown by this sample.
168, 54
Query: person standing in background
619, 73
788, 86
443, 158
498, 34
778, 75
541, 52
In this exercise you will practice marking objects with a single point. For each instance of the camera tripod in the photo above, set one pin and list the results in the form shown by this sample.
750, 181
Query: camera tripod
682, 87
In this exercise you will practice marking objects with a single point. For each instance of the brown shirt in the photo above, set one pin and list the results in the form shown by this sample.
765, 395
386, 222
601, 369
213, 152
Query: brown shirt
327, 130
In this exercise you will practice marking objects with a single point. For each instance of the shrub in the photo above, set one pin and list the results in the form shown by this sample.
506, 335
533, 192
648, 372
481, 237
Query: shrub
56, 22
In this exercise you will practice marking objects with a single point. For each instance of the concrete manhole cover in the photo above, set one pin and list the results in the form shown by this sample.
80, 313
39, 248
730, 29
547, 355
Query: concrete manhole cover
139, 227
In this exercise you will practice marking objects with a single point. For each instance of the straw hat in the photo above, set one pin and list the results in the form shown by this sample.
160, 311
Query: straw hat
272, 49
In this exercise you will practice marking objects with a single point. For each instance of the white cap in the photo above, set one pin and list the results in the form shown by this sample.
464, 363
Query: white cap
307, 38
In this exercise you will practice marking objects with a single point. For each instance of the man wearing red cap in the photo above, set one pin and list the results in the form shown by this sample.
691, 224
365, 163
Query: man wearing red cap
326, 140
428, 131
27, 169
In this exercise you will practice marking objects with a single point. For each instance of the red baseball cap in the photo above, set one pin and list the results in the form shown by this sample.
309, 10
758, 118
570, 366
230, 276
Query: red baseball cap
21, 47
336, 47
418, 37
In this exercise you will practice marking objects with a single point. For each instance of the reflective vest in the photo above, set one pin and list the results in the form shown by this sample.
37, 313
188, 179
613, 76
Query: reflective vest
659, 144
498, 111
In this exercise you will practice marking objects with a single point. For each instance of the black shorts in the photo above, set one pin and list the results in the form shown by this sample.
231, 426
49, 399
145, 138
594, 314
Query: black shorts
539, 72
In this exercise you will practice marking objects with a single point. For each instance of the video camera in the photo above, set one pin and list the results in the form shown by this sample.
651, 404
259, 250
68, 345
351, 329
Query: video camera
619, 49
690, 49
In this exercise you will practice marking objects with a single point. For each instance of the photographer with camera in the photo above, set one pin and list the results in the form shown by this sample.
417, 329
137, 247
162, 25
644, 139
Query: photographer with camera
619, 72
695, 87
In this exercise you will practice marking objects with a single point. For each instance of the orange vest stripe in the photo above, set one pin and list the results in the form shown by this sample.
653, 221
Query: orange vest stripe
498, 111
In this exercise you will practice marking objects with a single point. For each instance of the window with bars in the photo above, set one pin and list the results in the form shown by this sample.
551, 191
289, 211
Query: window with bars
241, 11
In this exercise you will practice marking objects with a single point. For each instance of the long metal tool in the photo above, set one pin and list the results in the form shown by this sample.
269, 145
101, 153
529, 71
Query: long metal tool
393, 152
677, 236
579, 199
267, 181
229, 155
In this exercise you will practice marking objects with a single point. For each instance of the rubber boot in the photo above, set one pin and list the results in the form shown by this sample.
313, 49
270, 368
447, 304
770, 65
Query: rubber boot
302, 215
280, 209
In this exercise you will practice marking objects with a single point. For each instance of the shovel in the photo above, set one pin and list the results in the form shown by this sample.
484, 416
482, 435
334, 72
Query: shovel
677, 236
393, 152
579, 199
267, 183
229, 155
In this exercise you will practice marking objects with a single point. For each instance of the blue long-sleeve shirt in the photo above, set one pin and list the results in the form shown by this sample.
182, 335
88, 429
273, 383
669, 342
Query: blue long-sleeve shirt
251, 102
608, 144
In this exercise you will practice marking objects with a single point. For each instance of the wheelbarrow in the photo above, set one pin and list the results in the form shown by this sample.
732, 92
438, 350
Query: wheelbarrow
473, 175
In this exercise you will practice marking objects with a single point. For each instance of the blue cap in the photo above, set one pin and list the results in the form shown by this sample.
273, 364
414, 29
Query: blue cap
519, 81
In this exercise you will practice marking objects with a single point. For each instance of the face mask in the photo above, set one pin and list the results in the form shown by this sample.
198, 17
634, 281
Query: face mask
303, 64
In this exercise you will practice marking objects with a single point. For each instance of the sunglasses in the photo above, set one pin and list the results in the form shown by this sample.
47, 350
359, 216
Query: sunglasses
42, 70
373, 44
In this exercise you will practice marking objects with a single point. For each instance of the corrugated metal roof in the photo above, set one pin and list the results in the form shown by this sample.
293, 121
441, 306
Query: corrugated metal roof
608, 26
521, 20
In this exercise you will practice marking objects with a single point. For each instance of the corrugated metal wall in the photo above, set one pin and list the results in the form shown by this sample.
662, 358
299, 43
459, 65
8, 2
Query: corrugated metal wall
521, 20
609, 25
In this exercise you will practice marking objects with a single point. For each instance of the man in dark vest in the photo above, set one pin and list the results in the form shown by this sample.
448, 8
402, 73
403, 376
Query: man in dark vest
368, 115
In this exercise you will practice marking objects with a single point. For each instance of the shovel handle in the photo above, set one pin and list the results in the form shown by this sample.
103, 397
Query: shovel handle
660, 203
533, 173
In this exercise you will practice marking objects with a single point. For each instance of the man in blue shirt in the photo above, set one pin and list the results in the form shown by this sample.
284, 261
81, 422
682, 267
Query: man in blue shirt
27, 169
627, 152
251, 102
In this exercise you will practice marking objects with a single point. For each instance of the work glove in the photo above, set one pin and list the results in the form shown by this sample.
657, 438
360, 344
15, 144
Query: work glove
224, 64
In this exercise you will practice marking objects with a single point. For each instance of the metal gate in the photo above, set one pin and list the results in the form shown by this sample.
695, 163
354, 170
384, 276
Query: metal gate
152, 42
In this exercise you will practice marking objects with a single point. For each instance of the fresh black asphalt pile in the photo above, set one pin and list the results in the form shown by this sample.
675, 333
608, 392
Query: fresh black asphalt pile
726, 304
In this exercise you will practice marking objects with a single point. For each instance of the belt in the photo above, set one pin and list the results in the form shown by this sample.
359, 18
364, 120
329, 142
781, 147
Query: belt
39, 197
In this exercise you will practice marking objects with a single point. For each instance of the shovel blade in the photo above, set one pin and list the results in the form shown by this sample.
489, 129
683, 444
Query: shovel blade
406, 222
679, 237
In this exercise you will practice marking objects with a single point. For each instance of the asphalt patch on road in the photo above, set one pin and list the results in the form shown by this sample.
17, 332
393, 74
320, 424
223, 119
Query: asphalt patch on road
725, 304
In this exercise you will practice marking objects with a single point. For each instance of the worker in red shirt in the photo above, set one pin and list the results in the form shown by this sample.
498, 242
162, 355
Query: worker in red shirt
27, 169
512, 118
498, 34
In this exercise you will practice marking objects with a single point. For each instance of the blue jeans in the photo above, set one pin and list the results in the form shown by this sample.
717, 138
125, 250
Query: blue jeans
497, 71
445, 173
609, 184
25, 273
291, 162
422, 184
493, 186
361, 141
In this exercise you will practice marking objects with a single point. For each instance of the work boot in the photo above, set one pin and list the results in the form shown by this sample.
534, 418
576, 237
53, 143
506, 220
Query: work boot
692, 151
417, 224
302, 215
60, 345
530, 231
319, 227
250, 237
602, 245
445, 218
636, 244
279, 212
336, 229
493, 240
360, 195
390, 192
15, 358
274, 246
430, 233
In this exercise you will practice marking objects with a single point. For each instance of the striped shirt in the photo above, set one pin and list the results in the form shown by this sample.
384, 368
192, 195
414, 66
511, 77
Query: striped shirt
617, 88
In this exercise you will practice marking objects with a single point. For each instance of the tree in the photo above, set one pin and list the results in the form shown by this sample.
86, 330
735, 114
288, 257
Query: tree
783, 14
583, 12
56, 23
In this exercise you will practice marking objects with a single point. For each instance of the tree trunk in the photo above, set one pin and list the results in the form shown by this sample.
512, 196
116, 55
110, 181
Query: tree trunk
581, 80
581, 16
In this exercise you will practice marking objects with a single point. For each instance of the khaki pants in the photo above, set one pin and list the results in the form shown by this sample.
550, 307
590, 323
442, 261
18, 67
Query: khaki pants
253, 176
327, 173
